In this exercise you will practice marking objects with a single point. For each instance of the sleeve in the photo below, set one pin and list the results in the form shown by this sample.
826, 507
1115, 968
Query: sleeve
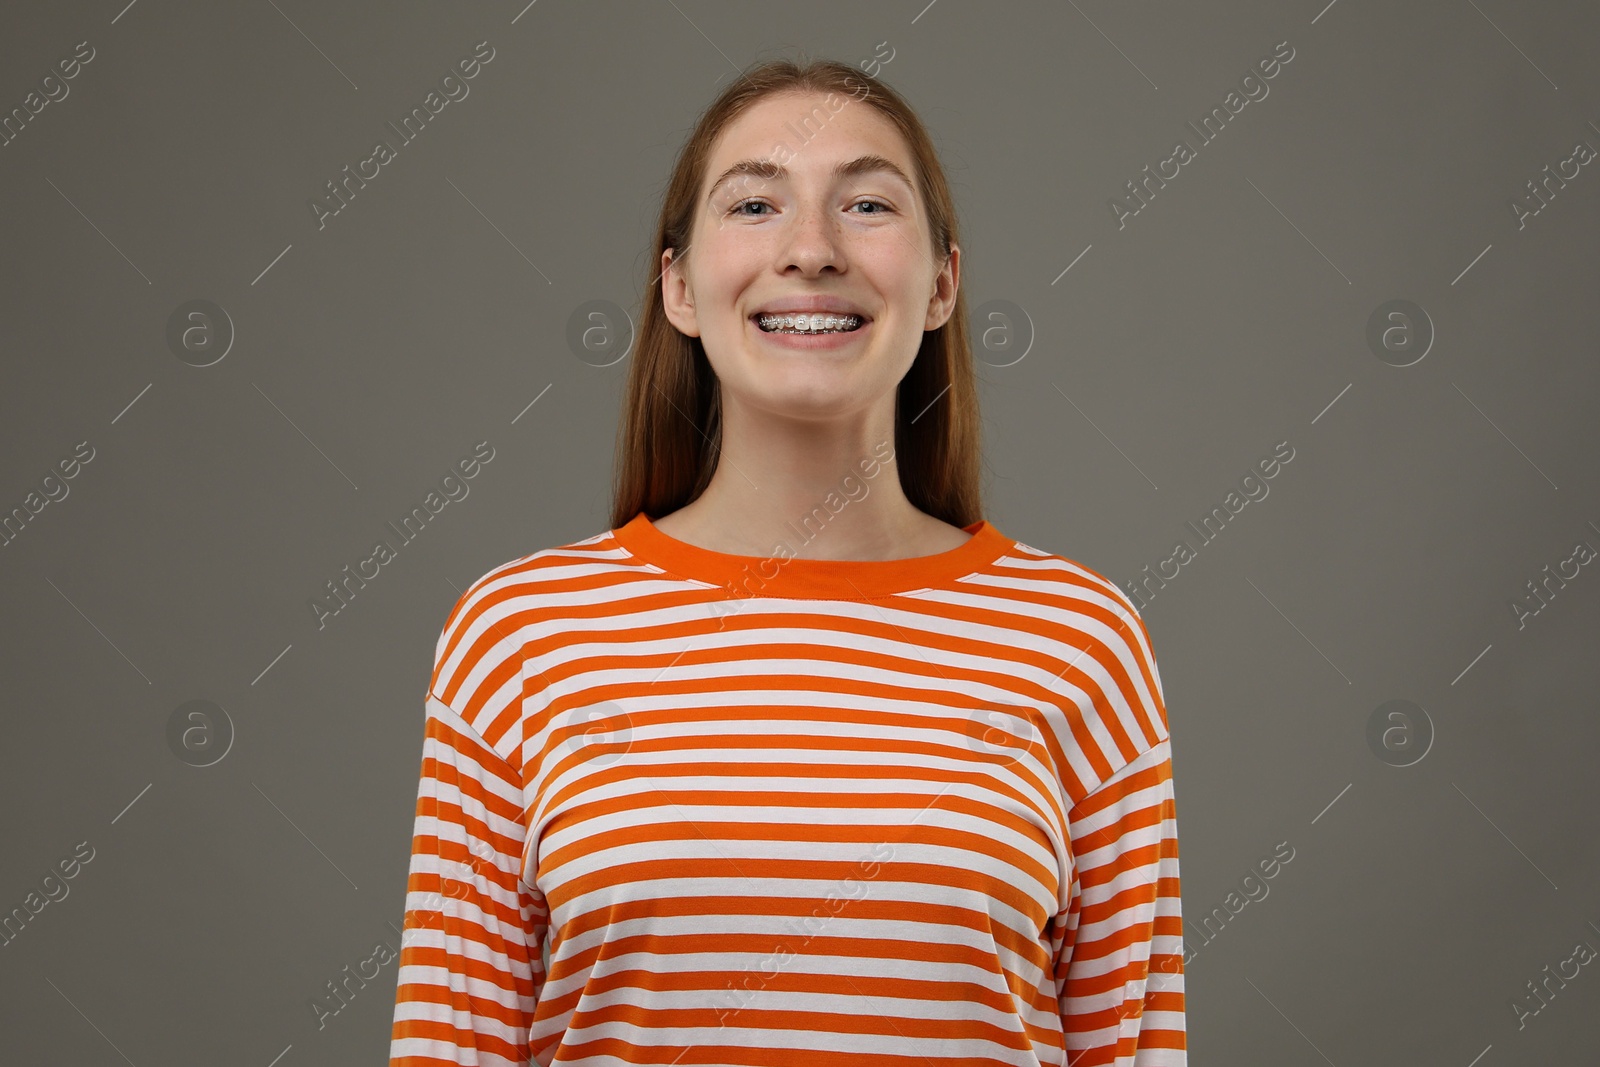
1118, 946
471, 965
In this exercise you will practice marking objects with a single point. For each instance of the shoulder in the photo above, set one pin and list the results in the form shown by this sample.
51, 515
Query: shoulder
1080, 609
1054, 579
481, 642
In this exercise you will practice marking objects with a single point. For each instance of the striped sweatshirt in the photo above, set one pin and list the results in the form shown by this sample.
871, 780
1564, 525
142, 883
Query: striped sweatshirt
684, 807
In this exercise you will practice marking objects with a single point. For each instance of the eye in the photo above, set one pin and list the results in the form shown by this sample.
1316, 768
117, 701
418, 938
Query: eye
738, 209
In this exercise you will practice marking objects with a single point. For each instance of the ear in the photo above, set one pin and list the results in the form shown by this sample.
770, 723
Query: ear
942, 304
677, 296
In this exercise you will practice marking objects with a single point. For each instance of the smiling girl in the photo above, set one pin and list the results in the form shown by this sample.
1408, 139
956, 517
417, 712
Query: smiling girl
803, 761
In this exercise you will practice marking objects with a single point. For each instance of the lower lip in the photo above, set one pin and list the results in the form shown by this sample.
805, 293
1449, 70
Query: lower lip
811, 340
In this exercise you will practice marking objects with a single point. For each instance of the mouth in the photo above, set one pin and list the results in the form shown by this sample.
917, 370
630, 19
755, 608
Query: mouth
804, 324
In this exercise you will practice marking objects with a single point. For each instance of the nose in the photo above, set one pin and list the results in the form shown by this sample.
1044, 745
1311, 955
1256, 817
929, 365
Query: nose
812, 241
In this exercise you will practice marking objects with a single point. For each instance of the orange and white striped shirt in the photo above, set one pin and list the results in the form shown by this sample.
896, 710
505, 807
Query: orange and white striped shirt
685, 807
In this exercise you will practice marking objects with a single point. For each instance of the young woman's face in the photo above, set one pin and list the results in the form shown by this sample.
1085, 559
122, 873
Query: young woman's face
766, 242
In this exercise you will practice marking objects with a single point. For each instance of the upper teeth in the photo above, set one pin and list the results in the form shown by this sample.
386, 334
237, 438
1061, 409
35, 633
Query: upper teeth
810, 322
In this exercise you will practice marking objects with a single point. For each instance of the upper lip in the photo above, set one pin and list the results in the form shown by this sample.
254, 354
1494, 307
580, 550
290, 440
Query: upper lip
812, 305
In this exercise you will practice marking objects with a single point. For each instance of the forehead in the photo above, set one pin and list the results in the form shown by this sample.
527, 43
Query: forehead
808, 133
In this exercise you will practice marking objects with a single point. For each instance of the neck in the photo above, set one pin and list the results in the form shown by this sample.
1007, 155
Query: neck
826, 492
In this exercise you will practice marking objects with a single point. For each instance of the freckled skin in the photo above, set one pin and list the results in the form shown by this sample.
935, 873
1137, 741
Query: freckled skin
794, 418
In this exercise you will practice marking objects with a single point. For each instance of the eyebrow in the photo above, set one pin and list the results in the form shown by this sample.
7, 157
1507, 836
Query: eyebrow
850, 168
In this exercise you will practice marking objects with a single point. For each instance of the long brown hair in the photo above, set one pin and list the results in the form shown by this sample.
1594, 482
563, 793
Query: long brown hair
670, 434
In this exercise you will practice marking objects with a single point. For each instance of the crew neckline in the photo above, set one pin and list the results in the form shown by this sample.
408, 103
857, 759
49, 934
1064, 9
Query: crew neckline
835, 579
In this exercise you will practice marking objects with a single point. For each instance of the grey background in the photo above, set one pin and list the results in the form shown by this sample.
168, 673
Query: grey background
433, 312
